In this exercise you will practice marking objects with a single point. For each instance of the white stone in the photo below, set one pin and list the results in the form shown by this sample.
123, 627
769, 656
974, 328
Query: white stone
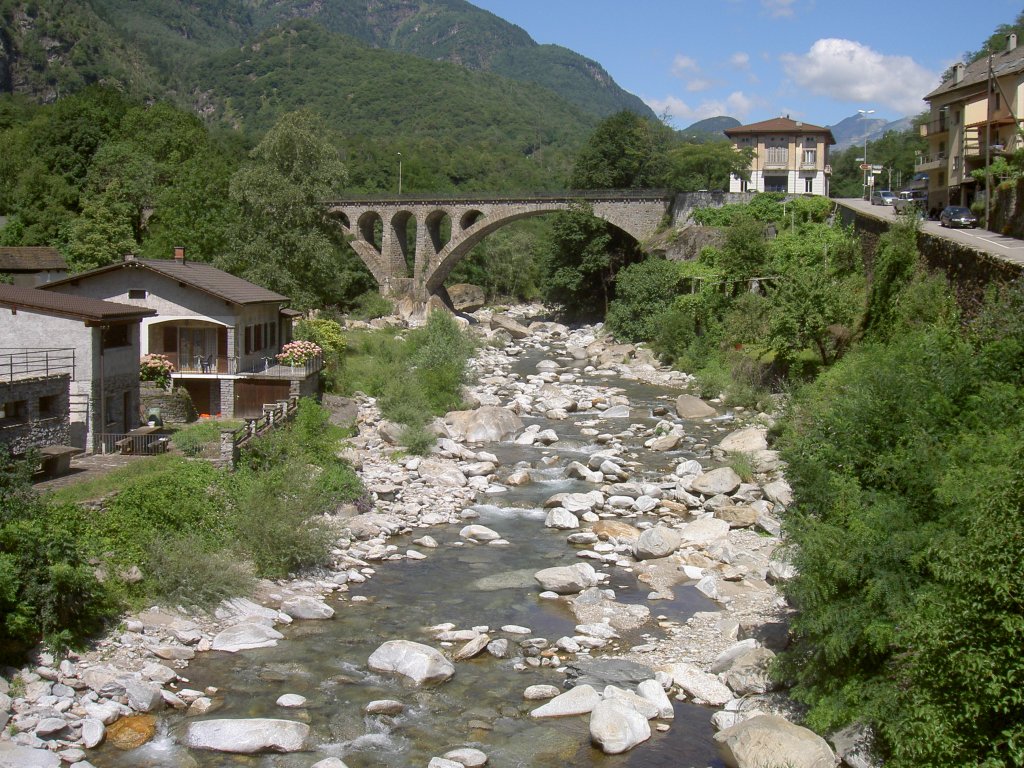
304, 607
420, 663
655, 693
467, 757
247, 736
576, 701
616, 727
291, 700
699, 685
562, 519
656, 542
246, 636
479, 533
540, 692
772, 740
567, 579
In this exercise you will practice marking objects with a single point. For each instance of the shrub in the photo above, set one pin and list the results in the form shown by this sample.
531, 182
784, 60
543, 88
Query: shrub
643, 292
156, 368
183, 570
369, 306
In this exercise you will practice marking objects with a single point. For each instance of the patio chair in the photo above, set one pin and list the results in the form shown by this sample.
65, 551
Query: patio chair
206, 363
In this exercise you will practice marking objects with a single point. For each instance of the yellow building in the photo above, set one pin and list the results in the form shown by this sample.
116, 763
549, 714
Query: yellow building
973, 115
789, 156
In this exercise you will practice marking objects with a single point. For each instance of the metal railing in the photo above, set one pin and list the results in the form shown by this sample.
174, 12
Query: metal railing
486, 197
274, 414
128, 443
934, 127
262, 367
25, 363
922, 161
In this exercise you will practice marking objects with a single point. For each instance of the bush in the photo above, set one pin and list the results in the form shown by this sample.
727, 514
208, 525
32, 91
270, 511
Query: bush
370, 306
183, 570
643, 292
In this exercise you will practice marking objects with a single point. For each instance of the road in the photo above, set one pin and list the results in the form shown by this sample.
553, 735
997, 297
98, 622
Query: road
1006, 248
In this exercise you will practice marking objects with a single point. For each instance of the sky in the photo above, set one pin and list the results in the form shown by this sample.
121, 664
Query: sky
818, 61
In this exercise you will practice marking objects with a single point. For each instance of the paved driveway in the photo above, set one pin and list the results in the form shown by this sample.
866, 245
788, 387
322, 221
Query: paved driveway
1007, 248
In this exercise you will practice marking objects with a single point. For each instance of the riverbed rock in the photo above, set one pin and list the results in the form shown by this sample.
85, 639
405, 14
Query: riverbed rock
246, 636
738, 515
723, 480
576, 701
415, 661
16, 756
773, 740
483, 425
691, 407
467, 757
653, 691
247, 736
479, 533
540, 692
699, 685
747, 440
305, 607
704, 531
93, 732
616, 529
562, 519
131, 732
466, 297
747, 674
779, 492
655, 542
505, 323
384, 707
472, 648
442, 473
616, 727
567, 579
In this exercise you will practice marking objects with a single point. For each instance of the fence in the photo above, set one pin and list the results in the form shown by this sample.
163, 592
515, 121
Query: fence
31, 363
231, 441
131, 443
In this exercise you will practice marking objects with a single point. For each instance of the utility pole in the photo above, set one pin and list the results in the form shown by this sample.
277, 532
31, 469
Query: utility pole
988, 140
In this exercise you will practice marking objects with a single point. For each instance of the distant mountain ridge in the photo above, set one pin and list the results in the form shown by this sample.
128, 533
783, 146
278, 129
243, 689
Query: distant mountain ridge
711, 127
848, 131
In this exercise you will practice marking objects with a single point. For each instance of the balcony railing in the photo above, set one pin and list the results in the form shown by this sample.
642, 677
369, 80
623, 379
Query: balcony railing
934, 128
261, 367
929, 162
775, 157
33, 363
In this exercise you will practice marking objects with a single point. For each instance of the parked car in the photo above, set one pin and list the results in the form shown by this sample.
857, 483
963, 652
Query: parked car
957, 216
883, 197
911, 200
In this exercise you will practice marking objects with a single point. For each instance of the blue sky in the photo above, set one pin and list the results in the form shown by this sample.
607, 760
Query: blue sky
816, 60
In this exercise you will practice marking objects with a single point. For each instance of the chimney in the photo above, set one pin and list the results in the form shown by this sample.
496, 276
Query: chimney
179, 254
129, 257
958, 74
1011, 41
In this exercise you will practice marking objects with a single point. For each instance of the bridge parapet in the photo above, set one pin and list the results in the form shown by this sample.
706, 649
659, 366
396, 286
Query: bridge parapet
447, 227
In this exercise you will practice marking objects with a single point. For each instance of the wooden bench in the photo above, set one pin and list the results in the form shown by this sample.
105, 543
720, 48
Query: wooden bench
56, 459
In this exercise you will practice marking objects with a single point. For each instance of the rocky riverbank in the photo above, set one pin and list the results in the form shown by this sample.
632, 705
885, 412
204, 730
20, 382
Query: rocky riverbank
699, 524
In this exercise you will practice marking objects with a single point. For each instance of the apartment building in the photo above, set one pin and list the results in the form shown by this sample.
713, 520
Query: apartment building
789, 156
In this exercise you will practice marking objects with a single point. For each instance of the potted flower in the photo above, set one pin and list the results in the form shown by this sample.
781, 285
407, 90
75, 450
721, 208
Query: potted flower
156, 368
298, 353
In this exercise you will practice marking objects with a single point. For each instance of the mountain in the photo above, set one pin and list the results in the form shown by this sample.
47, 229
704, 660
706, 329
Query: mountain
147, 47
856, 128
710, 128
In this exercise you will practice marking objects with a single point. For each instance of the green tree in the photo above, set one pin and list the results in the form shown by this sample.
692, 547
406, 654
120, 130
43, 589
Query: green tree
625, 151
707, 165
284, 239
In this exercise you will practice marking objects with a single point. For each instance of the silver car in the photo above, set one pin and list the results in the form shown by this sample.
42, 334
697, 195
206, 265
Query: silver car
882, 197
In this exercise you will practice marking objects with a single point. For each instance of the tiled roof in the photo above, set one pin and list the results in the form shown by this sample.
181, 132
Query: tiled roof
779, 125
65, 305
30, 258
196, 274
976, 73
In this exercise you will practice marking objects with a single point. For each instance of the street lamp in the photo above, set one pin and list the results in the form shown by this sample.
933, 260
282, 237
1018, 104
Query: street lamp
399, 173
867, 192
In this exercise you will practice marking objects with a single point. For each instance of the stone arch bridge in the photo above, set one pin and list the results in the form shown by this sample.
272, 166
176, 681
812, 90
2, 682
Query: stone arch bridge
381, 228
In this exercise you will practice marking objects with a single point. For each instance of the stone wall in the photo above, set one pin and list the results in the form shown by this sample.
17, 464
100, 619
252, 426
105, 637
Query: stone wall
175, 406
1007, 215
969, 270
686, 202
40, 417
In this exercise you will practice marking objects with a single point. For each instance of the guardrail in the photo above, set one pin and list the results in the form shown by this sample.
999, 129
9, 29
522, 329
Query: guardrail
568, 194
26, 363
274, 414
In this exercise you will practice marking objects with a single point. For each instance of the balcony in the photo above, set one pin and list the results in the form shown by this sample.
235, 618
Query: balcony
776, 158
18, 364
263, 367
934, 128
929, 162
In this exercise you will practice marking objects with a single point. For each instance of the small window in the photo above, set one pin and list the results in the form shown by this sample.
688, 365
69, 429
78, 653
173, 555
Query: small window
248, 339
137, 293
15, 410
49, 406
808, 185
116, 336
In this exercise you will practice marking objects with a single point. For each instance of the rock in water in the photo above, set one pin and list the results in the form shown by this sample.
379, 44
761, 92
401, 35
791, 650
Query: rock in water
773, 740
655, 542
246, 636
247, 736
131, 732
616, 727
690, 407
420, 663
567, 579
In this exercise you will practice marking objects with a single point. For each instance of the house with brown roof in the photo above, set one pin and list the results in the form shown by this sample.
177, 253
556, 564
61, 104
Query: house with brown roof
789, 156
69, 368
222, 333
974, 117
30, 266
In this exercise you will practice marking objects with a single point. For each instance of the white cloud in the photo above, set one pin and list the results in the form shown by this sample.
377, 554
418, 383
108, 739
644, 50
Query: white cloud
846, 70
778, 8
681, 65
740, 60
736, 104
698, 84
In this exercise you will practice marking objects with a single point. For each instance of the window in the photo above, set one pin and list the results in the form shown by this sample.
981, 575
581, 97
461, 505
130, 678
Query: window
775, 184
808, 185
49, 406
115, 336
248, 339
744, 185
257, 342
776, 156
16, 410
810, 157
996, 107
137, 293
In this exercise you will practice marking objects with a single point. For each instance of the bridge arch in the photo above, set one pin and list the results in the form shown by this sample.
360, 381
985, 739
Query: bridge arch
447, 229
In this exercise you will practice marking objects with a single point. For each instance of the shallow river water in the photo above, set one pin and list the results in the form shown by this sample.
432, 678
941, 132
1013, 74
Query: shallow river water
469, 585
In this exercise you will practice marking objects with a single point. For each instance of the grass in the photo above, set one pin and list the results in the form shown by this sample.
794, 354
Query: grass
202, 438
115, 480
